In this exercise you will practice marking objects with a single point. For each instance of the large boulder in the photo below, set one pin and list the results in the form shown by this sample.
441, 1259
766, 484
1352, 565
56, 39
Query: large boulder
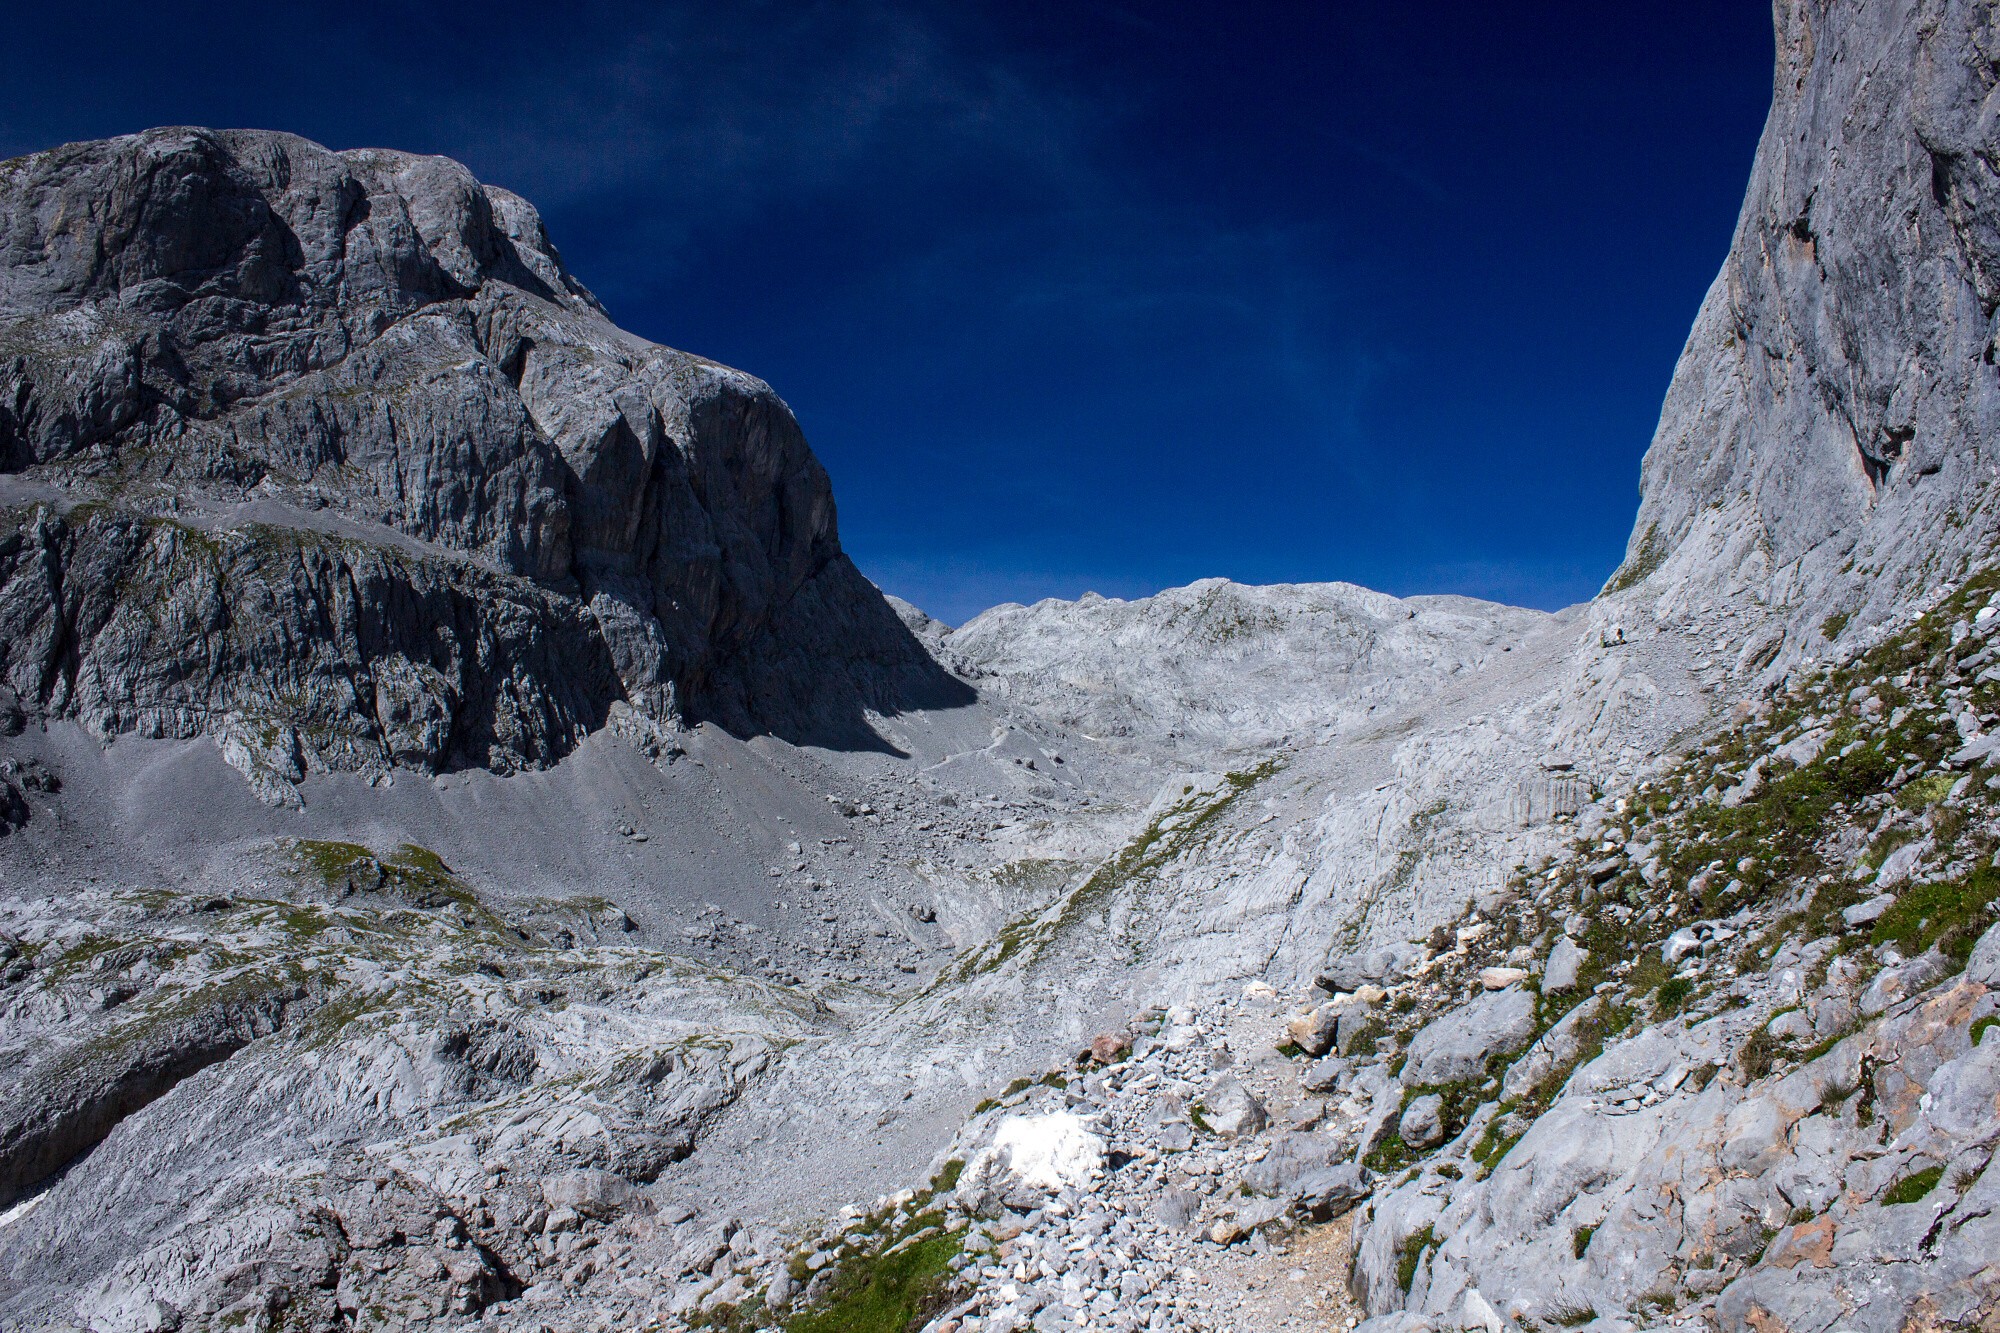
1232, 1110
1455, 1048
1381, 965
590, 1192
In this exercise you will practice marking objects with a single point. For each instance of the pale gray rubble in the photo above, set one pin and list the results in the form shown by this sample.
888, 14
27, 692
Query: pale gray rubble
1748, 1107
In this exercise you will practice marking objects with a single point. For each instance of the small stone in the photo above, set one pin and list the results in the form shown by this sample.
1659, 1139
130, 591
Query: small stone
1869, 912
1323, 1075
1423, 1121
1900, 980
1500, 978
1679, 945
1792, 1026
1313, 1031
1330, 1191
1108, 1048
1899, 864
1232, 1110
590, 1192
1566, 960
1176, 1207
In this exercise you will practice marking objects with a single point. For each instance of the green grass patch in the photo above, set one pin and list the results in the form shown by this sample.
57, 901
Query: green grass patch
1367, 1038
1928, 790
1389, 1154
1579, 1241
886, 1293
1833, 1094
1411, 1254
1951, 914
1914, 1187
329, 860
1565, 1315
1757, 1055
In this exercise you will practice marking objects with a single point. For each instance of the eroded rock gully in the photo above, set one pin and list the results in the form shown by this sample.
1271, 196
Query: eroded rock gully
472, 850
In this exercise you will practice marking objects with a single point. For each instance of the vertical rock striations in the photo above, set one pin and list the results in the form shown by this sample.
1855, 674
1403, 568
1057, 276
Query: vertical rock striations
1830, 438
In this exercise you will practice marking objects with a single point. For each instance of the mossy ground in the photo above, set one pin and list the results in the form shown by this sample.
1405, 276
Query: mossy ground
1411, 1253
1915, 1187
891, 1293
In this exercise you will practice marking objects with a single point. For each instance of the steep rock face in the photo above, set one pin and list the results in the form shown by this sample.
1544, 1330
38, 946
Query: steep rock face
1827, 445
212, 332
294, 646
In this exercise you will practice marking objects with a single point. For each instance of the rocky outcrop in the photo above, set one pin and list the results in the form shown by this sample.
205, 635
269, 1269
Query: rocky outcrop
1826, 448
218, 1111
363, 467
1218, 664
1773, 1109
63, 1106
295, 647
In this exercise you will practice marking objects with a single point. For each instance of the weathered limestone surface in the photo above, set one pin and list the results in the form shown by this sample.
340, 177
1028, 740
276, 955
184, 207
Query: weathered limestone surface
332, 448
1828, 442
1608, 968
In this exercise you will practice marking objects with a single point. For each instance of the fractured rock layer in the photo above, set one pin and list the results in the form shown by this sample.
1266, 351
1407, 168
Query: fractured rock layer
479, 511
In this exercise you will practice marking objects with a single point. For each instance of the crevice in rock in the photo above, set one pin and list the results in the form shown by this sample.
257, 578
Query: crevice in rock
71, 1103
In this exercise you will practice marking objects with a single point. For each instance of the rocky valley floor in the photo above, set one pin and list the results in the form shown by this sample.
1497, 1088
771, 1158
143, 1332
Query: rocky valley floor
1711, 1046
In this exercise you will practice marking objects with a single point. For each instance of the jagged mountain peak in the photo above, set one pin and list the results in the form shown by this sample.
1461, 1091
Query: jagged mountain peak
1827, 443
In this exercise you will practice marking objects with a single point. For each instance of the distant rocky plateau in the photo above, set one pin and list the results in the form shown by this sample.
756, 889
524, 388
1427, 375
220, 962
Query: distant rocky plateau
474, 850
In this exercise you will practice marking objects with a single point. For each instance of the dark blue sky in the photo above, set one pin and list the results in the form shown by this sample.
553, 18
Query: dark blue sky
1076, 296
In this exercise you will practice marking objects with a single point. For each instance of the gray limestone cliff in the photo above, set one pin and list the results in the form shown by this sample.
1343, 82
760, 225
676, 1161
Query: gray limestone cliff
328, 454
1828, 445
